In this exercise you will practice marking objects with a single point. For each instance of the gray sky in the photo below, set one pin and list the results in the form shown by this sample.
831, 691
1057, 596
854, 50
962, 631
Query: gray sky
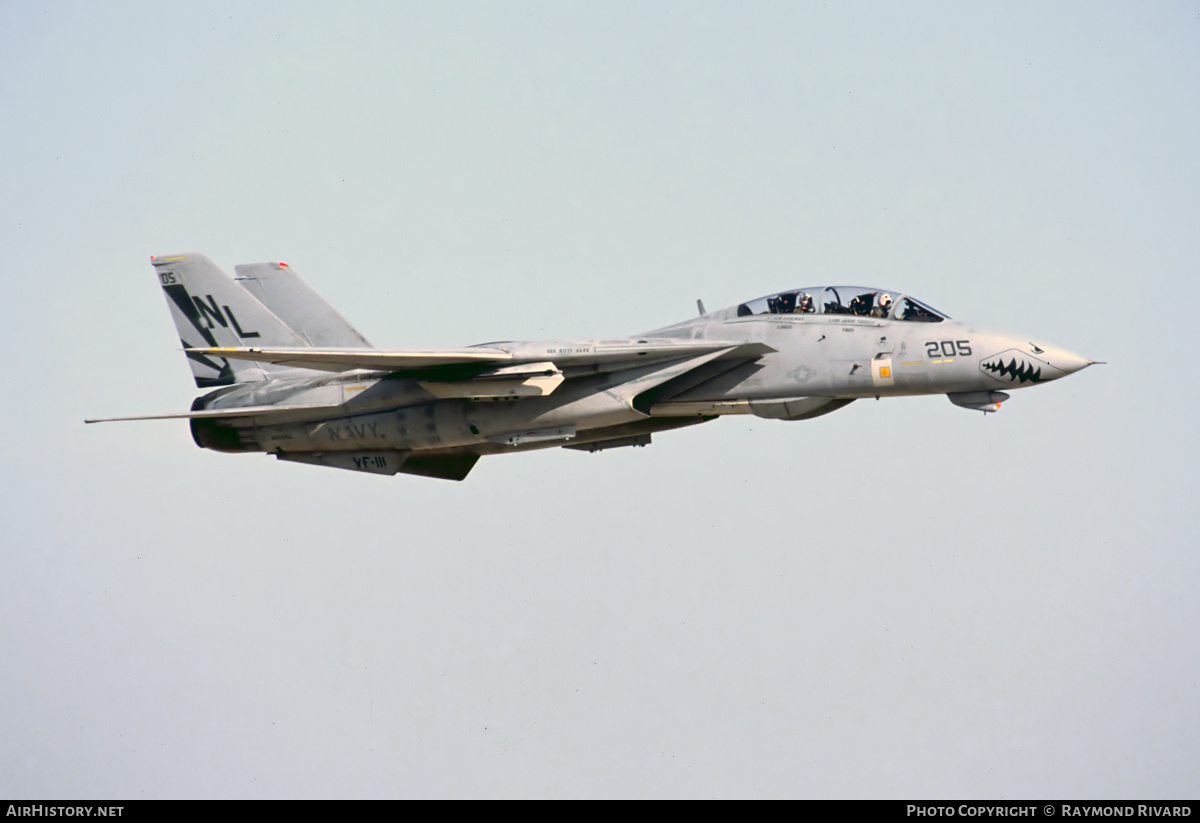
902, 599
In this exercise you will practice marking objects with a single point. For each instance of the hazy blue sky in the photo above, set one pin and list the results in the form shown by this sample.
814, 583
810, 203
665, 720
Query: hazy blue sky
902, 599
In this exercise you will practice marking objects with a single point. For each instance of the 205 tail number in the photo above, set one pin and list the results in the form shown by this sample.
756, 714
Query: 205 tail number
947, 348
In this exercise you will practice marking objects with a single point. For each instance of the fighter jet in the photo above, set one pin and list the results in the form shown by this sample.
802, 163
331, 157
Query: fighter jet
291, 378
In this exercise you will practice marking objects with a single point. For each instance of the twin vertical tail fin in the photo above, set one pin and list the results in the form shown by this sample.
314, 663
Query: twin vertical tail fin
280, 289
211, 310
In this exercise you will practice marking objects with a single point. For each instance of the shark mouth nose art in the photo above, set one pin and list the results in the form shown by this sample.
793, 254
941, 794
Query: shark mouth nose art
1017, 367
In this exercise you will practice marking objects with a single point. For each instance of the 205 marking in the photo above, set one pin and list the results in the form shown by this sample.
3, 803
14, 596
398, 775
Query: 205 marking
947, 348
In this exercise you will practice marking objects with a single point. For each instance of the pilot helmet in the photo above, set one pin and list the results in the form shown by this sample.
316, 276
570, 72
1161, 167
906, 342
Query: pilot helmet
885, 300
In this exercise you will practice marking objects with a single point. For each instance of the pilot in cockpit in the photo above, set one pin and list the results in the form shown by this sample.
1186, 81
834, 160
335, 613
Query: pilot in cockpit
804, 303
781, 303
884, 307
861, 304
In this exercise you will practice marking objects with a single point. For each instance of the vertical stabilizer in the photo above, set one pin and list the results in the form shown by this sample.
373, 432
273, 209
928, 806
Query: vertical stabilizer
210, 310
278, 287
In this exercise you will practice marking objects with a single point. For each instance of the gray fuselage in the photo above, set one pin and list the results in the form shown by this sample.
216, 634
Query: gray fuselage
811, 363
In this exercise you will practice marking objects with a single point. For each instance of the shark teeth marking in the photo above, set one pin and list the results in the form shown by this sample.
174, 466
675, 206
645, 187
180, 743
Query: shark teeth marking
1016, 370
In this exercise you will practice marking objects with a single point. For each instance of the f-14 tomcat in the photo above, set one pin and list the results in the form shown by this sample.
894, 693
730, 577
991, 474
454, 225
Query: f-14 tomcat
292, 378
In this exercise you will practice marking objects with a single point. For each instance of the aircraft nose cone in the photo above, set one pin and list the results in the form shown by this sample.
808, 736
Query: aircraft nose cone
1065, 361
1026, 362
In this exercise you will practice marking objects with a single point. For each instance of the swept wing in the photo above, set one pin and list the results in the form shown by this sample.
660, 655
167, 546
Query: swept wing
608, 354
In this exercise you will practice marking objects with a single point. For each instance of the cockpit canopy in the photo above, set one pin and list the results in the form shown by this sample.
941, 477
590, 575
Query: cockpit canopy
852, 300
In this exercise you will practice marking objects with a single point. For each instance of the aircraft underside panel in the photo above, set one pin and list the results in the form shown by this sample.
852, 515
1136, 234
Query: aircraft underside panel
456, 463
791, 408
445, 467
